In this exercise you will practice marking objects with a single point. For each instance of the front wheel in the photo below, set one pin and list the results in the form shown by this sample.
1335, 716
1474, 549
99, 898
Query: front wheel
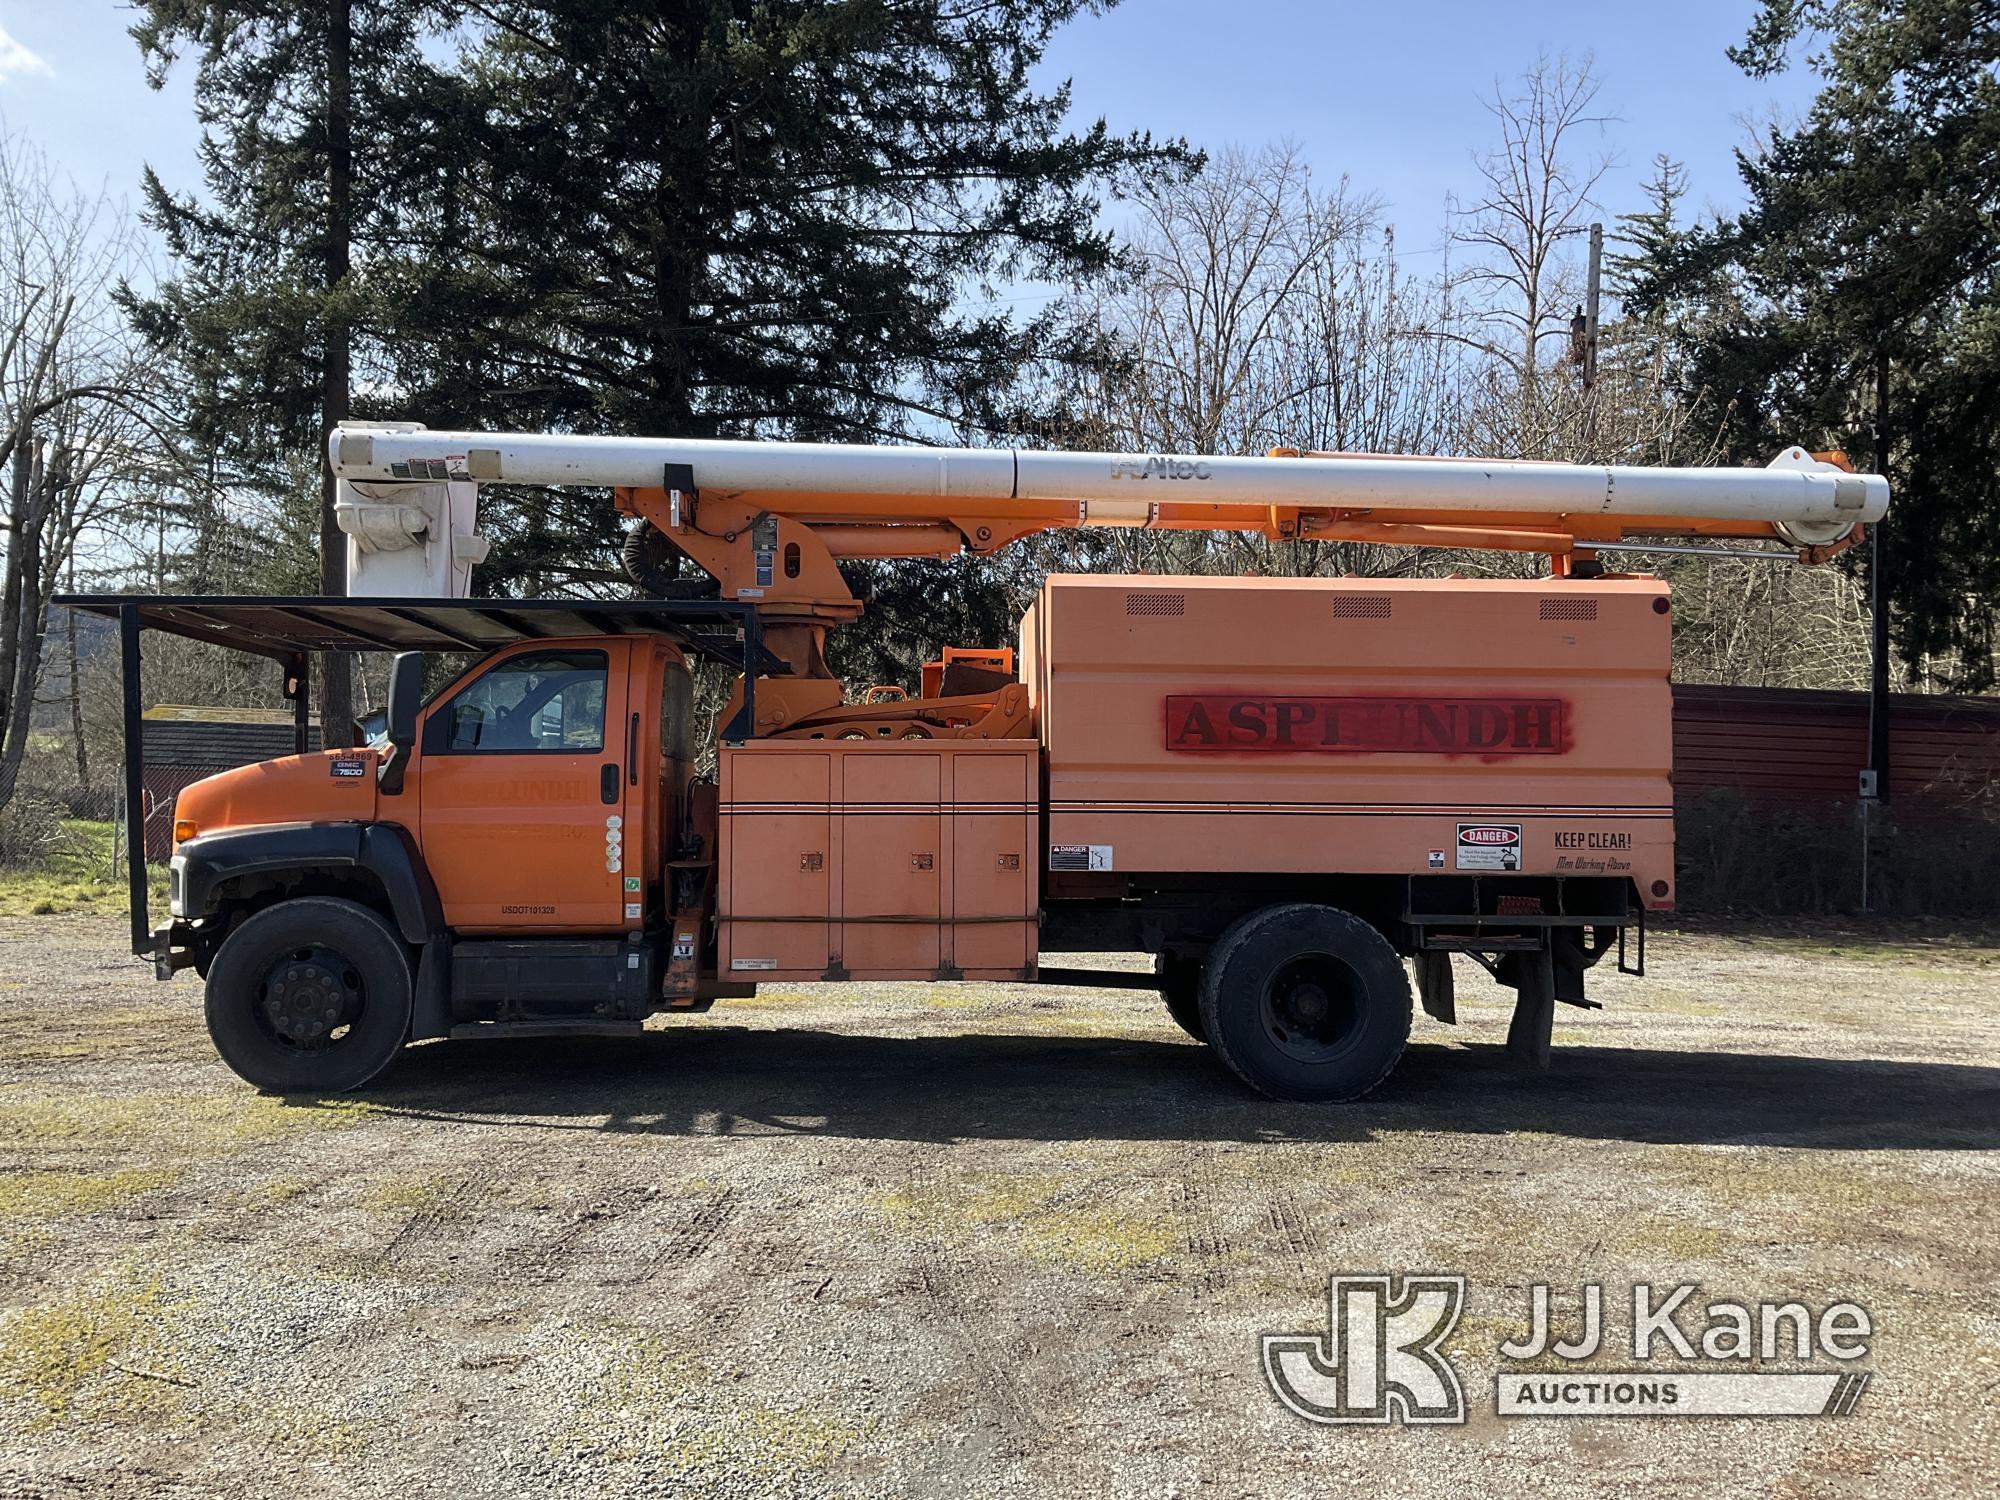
1306, 1003
309, 996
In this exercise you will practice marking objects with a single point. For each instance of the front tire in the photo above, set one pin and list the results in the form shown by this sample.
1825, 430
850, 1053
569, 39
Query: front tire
1306, 1003
312, 995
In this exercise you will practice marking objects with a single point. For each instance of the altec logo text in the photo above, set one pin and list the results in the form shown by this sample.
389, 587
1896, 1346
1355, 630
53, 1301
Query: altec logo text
1382, 1357
1410, 726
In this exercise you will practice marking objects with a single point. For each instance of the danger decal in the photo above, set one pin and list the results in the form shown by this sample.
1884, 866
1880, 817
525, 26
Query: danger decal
1383, 726
1489, 846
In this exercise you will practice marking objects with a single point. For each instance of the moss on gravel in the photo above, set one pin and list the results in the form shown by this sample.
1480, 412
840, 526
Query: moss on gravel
60, 1354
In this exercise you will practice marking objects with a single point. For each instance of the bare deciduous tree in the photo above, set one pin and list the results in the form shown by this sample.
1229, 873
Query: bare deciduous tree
72, 401
1267, 312
1515, 287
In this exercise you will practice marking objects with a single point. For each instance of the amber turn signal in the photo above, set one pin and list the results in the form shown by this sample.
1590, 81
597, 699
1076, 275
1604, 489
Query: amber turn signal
183, 830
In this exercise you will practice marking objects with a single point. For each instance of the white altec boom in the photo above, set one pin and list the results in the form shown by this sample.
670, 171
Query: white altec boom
404, 486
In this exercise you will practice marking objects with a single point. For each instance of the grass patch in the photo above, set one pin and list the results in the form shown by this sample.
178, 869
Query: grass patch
82, 873
438, 1193
1653, 1240
313, 1434
263, 1197
1090, 1020
45, 1195
84, 1032
1805, 1191
54, 1352
662, 1404
769, 999
187, 1124
1031, 1209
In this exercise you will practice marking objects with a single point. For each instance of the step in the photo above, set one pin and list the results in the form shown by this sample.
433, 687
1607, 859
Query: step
468, 1030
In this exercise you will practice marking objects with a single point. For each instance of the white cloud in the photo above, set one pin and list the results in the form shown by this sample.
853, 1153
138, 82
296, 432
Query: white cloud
17, 61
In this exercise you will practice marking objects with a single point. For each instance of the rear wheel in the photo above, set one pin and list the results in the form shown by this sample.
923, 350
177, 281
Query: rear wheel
1306, 1003
1180, 986
309, 996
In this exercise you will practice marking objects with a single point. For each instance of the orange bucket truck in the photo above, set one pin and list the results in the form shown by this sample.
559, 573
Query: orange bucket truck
1295, 793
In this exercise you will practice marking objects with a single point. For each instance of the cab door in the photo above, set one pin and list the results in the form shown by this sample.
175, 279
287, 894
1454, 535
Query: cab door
523, 783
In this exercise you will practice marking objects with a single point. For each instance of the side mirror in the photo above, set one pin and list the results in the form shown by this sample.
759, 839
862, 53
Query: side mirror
406, 696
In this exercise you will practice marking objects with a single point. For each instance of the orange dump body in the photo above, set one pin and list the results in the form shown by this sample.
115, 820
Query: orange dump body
1351, 726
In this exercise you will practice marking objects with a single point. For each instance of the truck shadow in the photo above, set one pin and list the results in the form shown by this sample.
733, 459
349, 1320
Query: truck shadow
730, 1080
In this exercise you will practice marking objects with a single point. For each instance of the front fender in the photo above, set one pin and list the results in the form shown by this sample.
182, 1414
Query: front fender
203, 865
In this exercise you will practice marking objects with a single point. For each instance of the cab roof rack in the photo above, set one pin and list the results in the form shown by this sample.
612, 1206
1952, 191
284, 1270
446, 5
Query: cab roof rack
287, 629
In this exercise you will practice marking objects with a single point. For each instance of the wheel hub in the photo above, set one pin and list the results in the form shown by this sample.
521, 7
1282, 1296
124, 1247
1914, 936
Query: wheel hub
1311, 1008
1306, 1005
308, 996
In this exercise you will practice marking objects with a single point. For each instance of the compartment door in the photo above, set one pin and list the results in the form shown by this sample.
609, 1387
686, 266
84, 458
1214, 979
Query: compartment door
891, 860
780, 860
994, 850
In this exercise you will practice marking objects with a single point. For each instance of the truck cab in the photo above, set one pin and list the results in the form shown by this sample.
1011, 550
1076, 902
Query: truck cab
541, 787
522, 845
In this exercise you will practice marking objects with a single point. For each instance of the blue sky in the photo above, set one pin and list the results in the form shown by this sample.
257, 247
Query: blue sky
1388, 94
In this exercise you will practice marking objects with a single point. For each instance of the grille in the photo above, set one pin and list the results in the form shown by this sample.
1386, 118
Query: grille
1569, 609
1156, 604
1361, 606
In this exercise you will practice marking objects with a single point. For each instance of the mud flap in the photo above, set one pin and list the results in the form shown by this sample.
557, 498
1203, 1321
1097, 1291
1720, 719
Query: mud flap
1534, 1020
1434, 985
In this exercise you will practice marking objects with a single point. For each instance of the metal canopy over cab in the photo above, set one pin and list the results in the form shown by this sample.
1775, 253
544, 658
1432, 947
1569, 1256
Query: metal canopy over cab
287, 629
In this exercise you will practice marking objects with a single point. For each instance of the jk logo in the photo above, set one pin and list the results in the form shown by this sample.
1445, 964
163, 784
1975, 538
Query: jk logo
1379, 1361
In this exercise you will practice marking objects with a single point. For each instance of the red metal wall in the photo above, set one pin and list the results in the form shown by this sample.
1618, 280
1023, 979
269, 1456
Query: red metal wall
1800, 746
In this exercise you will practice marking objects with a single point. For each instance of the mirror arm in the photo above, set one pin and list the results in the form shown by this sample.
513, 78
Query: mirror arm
406, 681
389, 775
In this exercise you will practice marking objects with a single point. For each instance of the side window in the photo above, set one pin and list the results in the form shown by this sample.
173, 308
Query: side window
540, 700
677, 714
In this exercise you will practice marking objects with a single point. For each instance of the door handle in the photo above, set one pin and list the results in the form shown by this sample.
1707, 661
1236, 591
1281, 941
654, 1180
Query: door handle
607, 784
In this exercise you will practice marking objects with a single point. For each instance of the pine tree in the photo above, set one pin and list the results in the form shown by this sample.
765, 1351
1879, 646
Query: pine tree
783, 218
1655, 233
303, 117
1865, 266
697, 217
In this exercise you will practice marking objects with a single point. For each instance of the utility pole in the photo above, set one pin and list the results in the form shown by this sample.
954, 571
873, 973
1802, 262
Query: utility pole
1592, 290
1878, 595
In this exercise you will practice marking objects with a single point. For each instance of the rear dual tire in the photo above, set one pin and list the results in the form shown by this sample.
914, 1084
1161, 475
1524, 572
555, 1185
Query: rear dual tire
1306, 1003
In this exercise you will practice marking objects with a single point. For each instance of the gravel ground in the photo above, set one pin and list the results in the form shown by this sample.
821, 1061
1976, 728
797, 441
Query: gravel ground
901, 1239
